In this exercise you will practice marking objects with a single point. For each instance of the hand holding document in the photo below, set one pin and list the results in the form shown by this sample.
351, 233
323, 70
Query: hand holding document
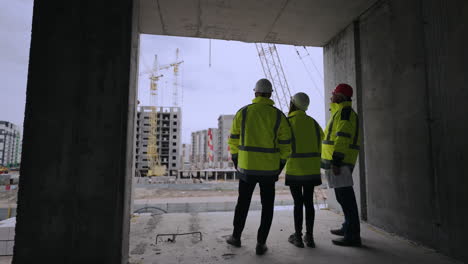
344, 179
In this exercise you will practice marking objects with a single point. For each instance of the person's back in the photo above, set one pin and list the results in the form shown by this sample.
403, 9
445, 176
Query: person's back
259, 144
303, 167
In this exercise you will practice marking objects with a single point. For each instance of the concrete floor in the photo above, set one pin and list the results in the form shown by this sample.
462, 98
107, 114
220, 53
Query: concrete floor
380, 247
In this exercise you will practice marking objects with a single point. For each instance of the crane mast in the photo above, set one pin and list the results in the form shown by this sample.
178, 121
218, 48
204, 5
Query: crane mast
273, 70
154, 163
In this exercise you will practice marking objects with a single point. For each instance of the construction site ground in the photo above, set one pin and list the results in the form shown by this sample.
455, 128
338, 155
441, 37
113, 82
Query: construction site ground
379, 246
204, 192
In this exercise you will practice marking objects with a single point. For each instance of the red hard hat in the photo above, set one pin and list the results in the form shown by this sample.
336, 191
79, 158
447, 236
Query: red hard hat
345, 89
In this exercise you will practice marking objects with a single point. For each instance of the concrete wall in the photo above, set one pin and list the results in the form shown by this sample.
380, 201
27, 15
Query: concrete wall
75, 184
410, 72
446, 42
397, 139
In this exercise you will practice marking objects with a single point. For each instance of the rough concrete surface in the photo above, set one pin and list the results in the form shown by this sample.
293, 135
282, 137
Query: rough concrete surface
409, 62
301, 22
380, 247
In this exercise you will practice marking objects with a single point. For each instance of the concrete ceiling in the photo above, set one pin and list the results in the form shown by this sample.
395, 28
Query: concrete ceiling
297, 22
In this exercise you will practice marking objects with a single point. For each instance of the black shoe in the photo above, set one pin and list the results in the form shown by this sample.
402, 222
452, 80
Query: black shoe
260, 249
309, 240
234, 241
347, 243
337, 232
296, 240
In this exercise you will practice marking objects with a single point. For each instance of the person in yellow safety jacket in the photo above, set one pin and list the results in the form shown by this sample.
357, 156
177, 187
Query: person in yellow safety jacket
260, 143
340, 149
303, 167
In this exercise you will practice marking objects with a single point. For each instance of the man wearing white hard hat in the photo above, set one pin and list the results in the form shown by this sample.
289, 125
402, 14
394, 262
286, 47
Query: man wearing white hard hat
303, 167
260, 143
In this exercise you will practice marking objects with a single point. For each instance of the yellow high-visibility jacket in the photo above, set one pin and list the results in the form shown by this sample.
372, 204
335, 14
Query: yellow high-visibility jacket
303, 166
260, 139
341, 144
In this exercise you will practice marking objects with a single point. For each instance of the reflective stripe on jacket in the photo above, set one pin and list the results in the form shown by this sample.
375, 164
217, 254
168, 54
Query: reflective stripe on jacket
261, 137
303, 166
341, 144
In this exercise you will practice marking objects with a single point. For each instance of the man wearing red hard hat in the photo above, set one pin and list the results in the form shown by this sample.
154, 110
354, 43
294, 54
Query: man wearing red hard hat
340, 149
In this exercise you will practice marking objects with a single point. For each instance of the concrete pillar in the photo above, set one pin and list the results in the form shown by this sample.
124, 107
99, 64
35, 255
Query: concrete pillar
216, 176
206, 175
76, 168
225, 176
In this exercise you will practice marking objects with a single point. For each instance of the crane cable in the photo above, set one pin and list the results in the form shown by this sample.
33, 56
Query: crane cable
313, 63
309, 73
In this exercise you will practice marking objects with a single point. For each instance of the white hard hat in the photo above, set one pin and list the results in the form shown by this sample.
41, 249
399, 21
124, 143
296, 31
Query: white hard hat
263, 86
301, 101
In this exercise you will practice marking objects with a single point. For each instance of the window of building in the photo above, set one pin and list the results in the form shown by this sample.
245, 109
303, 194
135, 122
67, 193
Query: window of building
173, 151
175, 116
174, 137
175, 123
174, 144
173, 164
173, 157
174, 130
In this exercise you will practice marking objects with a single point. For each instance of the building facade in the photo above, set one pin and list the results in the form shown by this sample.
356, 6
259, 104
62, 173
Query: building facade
186, 156
168, 136
224, 128
10, 144
204, 148
210, 147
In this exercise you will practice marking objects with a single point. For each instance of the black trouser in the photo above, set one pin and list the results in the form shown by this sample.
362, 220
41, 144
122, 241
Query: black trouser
303, 195
267, 195
346, 198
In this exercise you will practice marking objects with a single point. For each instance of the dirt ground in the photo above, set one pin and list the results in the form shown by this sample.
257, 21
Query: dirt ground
8, 198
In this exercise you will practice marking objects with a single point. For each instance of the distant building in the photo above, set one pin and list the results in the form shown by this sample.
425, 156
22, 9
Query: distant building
168, 138
186, 156
204, 146
224, 127
199, 148
210, 147
10, 144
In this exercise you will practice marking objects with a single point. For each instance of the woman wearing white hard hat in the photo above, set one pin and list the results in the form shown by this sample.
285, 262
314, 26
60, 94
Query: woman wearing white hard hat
303, 167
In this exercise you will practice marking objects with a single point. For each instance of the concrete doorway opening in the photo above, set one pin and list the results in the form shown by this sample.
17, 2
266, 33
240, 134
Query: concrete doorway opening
215, 80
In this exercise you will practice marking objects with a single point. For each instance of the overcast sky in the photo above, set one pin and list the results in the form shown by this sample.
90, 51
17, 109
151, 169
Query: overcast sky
206, 92
15, 37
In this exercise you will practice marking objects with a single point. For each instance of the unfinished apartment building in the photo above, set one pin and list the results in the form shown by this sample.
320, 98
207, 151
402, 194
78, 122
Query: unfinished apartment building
168, 138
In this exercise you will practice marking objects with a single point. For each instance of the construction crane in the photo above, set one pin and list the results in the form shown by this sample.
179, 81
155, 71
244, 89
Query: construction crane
154, 163
175, 88
155, 168
274, 72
